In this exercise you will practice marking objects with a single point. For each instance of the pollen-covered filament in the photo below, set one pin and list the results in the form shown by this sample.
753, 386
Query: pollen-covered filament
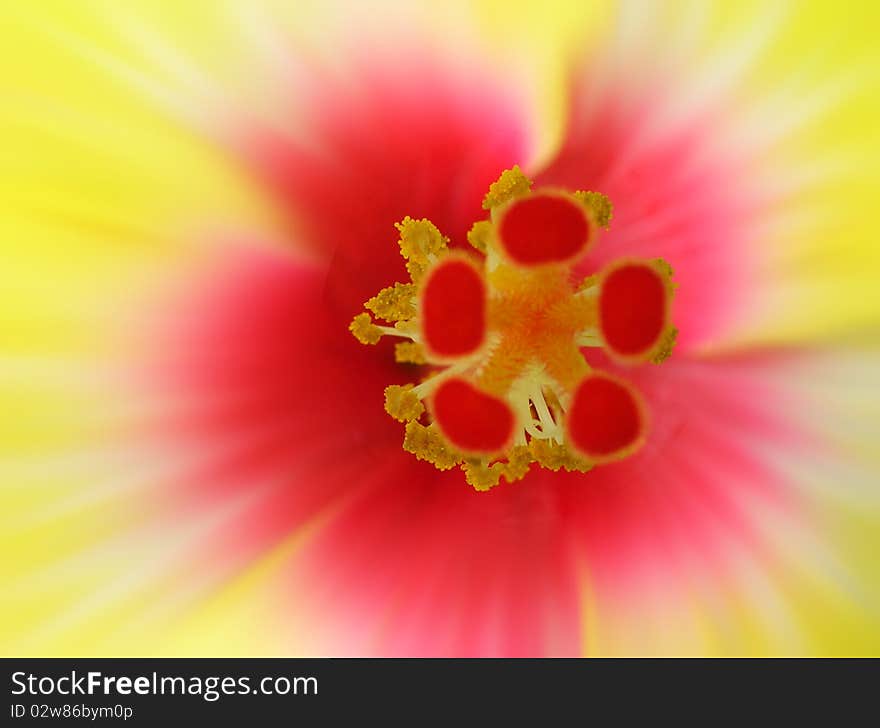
501, 333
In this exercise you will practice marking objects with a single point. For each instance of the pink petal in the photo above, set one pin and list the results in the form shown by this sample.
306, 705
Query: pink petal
385, 144
671, 199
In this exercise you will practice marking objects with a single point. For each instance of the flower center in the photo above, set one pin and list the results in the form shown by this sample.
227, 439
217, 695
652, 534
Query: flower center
502, 332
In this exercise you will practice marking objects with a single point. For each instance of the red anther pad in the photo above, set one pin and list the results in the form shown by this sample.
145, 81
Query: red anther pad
606, 418
544, 228
633, 303
470, 419
453, 310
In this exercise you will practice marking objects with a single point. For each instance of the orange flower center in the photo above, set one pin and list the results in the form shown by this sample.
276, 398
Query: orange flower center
503, 332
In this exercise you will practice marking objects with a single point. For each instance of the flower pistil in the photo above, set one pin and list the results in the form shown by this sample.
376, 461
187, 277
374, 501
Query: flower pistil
500, 331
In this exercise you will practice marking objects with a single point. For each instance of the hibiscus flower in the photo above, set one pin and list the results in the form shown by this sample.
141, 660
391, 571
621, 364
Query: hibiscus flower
235, 184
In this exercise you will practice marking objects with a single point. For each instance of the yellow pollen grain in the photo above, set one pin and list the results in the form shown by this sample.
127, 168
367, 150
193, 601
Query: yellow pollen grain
519, 459
420, 240
480, 234
664, 268
402, 403
510, 185
480, 476
553, 456
407, 328
665, 346
416, 270
599, 206
483, 477
408, 352
663, 349
395, 303
427, 444
364, 329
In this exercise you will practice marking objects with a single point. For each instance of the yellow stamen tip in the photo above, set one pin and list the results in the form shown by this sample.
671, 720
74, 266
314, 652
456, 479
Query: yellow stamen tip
420, 241
666, 271
427, 444
553, 456
482, 477
599, 206
664, 348
519, 460
364, 329
416, 270
408, 352
402, 403
478, 236
395, 303
511, 184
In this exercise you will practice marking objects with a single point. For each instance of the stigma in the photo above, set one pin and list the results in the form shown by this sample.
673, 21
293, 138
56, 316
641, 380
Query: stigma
498, 331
